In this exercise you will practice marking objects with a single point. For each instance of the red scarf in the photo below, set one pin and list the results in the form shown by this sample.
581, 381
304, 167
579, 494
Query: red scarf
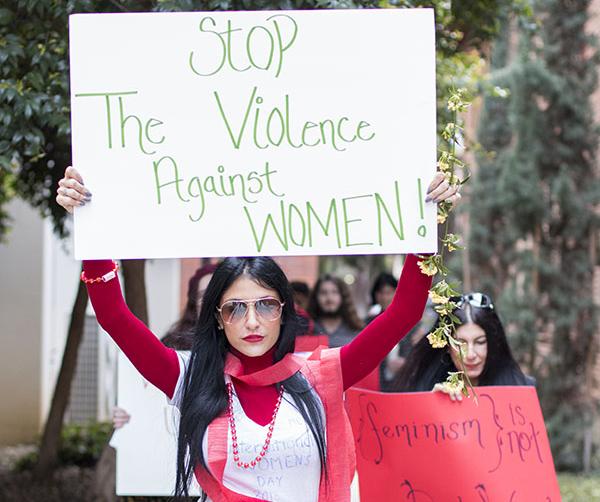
322, 369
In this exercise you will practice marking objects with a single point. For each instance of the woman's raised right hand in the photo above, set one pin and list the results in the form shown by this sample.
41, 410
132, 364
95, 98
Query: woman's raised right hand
71, 192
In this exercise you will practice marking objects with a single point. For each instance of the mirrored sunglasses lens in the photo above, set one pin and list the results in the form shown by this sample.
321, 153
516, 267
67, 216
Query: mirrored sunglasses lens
268, 308
233, 311
475, 299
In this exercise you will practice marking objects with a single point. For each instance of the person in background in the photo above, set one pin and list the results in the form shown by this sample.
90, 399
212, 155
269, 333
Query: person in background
487, 357
301, 295
380, 294
333, 310
181, 334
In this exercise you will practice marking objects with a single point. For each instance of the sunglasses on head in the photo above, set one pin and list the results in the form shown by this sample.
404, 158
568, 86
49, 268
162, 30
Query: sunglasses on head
268, 309
479, 300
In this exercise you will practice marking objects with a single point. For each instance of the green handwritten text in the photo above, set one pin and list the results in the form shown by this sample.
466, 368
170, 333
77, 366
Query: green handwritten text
345, 221
263, 48
264, 128
168, 179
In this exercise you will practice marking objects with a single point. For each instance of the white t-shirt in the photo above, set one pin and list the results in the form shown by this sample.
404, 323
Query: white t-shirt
291, 469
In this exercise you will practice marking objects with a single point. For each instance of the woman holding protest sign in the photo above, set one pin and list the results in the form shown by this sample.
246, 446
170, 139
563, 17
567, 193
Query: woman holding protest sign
487, 357
257, 422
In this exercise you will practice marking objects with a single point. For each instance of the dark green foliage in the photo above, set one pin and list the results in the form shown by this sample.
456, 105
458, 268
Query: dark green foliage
81, 445
463, 26
33, 95
533, 219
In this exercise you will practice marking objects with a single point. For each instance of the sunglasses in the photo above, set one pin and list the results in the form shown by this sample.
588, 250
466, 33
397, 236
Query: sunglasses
268, 309
479, 300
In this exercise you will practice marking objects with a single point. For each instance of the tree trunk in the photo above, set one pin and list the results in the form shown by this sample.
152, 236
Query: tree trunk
590, 363
465, 255
536, 292
134, 284
50, 443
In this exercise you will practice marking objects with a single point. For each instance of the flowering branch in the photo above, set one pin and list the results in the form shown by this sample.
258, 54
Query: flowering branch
444, 295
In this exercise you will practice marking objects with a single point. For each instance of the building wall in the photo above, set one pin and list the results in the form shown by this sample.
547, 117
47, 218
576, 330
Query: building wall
39, 279
163, 279
300, 268
21, 263
60, 280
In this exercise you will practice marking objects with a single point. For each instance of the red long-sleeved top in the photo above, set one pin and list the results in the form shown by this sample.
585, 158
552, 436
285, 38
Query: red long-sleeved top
160, 365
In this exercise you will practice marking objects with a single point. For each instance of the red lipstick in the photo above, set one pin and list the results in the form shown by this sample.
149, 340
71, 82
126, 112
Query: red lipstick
253, 338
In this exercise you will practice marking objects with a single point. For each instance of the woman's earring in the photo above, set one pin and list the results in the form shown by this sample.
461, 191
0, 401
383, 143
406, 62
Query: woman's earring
219, 325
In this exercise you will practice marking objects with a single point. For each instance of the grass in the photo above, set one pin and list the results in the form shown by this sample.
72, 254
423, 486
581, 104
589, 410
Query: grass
579, 488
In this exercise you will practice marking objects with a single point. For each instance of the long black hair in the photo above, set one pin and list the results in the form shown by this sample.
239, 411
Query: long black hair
426, 366
204, 395
181, 334
383, 279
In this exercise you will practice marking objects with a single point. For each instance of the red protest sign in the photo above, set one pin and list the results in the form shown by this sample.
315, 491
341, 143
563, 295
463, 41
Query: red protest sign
423, 447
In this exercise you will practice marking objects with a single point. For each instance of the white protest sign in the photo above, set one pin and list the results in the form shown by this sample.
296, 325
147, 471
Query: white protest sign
147, 445
254, 133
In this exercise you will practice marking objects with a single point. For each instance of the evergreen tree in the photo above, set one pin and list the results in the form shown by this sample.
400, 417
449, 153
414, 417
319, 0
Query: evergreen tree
488, 224
533, 215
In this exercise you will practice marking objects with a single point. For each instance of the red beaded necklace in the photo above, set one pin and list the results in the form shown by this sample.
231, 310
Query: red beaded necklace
236, 451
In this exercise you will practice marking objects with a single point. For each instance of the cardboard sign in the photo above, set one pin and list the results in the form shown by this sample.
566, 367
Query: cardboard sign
254, 133
423, 447
147, 445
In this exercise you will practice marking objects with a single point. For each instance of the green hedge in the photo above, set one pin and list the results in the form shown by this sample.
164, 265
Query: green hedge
579, 488
81, 445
